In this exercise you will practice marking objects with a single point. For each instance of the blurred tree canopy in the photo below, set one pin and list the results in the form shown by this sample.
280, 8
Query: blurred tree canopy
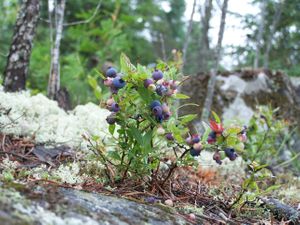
145, 30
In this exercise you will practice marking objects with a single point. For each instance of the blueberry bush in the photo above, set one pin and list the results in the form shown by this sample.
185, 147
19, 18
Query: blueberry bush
143, 105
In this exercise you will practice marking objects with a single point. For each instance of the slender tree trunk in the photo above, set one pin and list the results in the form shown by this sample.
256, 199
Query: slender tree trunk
163, 47
16, 70
54, 78
204, 40
272, 31
188, 34
259, 37
212, 80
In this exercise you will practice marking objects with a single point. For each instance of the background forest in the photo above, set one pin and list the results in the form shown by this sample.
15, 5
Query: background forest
96, 32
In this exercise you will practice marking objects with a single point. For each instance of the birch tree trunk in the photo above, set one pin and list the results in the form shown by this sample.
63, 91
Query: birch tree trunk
204, 40
16, 70
260, 34
212, 80
188, 34
54, 78
272, 31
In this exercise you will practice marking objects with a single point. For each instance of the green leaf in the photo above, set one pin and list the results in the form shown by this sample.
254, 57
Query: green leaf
136, 134
98, 92
100, 74
112, 128
114, 155
147, 141
216, 117
145, 94
207, 131
126, 65
231, 141
187, 118
272, 188
92, 82
180, 96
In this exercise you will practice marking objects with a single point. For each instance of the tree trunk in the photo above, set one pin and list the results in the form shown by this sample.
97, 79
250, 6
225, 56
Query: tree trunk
212, 80
272, 31
188, 34
204, 40
259, 37
16, 70
54, 78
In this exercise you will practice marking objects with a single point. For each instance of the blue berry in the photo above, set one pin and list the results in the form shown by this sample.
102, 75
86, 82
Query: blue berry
111, 119
212, 137
157, 75
217, 158
161, 89
151, 200
169, 136
114, 107
159, 118
194, 152
118, 82
111, 72
195, 138
154, 104
230, 153
157, 111
147, 82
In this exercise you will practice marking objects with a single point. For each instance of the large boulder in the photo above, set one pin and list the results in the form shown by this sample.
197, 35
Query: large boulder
238, 93
22, 205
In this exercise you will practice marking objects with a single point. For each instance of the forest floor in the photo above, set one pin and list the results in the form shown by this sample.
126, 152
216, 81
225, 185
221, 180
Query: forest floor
203, 196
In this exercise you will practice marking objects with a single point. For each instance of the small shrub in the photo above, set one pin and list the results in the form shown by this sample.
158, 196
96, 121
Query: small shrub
144, 117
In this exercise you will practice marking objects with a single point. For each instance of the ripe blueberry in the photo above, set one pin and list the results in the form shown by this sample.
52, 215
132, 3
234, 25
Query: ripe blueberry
157, 111
161, 90
157, 75
114, 107
169, 136
217, 157
194, 152
159, 118
111, 72
154, 104
118, 82
111, 119
212, 137
195, 138
230, 153
147, 82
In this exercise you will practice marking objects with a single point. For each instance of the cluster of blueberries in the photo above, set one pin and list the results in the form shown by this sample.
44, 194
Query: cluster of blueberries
194, 142
159, 85
229, 152
162, 112
115, 82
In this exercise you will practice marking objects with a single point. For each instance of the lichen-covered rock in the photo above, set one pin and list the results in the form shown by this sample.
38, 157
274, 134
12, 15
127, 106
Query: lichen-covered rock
41, 118
72, 207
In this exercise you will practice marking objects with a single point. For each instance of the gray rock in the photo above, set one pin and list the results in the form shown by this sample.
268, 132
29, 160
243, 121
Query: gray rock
238, 93
60, 206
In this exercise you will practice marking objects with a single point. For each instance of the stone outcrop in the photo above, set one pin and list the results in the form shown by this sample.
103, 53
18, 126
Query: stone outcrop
21, 205
238, 93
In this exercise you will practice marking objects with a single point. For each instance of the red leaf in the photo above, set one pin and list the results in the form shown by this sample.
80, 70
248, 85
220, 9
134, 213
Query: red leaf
218, 128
